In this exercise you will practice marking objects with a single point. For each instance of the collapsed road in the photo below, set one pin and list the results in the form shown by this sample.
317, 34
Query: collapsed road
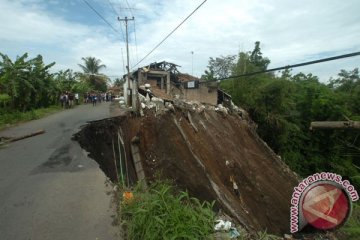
49, 188
201, 148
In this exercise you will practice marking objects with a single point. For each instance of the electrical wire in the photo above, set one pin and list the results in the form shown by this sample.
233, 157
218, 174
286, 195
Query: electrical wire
132, 14
169, 34
92, 8
127, 3
113, 8
136, 46
117, 14
354, 54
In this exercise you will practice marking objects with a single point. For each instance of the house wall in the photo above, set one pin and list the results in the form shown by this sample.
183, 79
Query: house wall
202, 94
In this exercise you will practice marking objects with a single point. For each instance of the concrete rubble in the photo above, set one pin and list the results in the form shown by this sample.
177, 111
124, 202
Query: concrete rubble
162, 106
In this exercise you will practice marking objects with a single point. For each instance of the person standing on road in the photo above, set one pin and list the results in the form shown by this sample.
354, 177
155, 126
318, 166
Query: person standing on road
93, 98
71, 100
62, 100
66, 97
77, 98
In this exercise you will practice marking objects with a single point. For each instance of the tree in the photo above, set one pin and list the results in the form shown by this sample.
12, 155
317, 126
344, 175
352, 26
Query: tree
27, 82
257, 59
348, 86
220, 67
92, 75
65, 80
283, 107
118, 82
91, 65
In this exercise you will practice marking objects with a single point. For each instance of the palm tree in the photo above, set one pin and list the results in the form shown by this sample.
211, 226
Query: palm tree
92, 65
92, 75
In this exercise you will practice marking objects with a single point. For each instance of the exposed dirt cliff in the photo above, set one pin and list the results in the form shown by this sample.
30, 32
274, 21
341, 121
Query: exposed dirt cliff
200, 149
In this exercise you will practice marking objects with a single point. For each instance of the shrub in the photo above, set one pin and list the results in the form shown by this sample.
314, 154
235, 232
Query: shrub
163, 213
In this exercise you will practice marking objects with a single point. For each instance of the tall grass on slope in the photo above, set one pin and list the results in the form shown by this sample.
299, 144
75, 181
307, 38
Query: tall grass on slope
163, 213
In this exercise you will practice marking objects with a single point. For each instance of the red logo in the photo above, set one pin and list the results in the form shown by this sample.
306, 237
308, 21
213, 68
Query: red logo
325, 206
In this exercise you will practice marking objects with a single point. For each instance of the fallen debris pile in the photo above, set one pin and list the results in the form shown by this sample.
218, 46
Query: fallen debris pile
204, 149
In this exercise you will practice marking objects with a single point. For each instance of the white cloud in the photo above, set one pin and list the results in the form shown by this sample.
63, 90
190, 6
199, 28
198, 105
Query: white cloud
290, 32
21, 24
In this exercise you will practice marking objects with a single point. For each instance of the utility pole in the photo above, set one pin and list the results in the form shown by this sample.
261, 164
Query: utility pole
127, 53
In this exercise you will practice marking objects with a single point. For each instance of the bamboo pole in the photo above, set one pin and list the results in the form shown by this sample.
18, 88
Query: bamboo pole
126, 165
116, 169
335, 125
121, 169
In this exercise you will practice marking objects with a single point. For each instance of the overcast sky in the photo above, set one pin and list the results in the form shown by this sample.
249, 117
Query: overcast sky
290, 32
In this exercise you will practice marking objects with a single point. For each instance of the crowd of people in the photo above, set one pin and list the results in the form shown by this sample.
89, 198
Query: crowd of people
97, 97
68, 99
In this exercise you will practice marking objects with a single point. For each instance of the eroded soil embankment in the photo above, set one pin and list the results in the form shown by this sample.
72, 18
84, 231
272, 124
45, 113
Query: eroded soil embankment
200, 151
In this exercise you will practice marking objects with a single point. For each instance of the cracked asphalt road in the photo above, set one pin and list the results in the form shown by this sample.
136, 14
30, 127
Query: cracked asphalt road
49, 188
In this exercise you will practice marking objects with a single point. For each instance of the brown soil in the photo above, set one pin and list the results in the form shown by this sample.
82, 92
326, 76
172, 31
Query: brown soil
195, 155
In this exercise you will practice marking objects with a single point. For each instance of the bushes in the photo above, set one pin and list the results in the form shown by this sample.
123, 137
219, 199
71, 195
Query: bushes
352, 228
163, 213
17, 116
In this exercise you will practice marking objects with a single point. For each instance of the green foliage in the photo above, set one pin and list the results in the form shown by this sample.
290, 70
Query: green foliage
92, 76
27, 82
91, 65
352, 227
265, 236
15, 117
4, 99
256, 58
219, 67
118, 82
163, 213
283, 107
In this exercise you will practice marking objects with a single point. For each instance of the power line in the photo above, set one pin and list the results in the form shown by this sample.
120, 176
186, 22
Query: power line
132, 14
129, 8
88, 4
354, 54
113, 8
136, 46
170, 34
117, 14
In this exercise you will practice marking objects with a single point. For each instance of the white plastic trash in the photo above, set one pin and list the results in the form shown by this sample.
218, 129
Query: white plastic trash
222, 225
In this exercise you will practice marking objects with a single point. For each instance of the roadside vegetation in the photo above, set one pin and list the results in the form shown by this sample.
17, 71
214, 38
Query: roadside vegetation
162, 212
11, 118
283, 105
29, 89
351, 230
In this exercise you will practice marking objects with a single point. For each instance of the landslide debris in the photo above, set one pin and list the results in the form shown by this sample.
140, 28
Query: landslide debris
201, 148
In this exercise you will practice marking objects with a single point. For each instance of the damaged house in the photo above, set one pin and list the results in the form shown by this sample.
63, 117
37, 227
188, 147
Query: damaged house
164, 80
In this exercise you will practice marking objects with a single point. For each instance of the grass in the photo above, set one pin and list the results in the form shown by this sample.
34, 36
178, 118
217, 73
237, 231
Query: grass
352, 228
161, 212
11, 118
